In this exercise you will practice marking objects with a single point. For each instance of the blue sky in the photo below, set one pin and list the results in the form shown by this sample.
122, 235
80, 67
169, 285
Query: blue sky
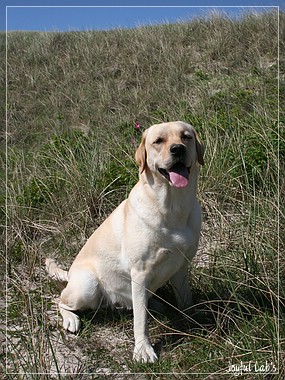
56, 15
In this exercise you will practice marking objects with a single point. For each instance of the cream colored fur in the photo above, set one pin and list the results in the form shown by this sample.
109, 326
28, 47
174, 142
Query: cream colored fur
148, 240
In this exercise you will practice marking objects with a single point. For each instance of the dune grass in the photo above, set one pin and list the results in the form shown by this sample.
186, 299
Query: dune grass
73, 101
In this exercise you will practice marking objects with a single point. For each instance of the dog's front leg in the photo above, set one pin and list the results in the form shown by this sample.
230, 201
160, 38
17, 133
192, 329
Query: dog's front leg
143, 351
182, 289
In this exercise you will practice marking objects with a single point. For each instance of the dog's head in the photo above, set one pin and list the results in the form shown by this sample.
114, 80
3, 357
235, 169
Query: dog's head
170, 150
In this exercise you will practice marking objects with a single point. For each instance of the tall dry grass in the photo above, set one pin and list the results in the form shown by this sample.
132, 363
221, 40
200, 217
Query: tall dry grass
73, 101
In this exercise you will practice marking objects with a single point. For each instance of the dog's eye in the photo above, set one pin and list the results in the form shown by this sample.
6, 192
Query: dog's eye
186, 137
158, 141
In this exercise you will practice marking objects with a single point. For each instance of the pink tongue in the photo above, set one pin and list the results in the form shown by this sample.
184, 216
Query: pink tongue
179, 175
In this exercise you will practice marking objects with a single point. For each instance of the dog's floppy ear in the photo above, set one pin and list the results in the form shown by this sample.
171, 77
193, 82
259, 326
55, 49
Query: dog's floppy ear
199, 149
141, 154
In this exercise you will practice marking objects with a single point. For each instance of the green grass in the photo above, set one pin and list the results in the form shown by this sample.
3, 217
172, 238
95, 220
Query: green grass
73, 101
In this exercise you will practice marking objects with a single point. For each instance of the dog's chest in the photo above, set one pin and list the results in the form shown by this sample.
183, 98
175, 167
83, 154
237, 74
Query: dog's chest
162, 265
172, 245
175, 239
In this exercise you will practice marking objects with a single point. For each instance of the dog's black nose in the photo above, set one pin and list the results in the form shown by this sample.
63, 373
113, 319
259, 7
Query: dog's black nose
177, 150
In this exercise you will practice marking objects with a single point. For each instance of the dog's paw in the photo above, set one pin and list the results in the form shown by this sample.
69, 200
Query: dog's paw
71, 321
144, 353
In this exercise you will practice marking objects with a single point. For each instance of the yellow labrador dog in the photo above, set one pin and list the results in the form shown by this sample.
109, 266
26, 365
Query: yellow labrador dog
149, 239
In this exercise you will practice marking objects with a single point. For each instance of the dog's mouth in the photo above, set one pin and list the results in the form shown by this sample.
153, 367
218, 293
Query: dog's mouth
177, 175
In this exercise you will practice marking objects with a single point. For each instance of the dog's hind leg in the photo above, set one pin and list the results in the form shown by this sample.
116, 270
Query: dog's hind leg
82, 292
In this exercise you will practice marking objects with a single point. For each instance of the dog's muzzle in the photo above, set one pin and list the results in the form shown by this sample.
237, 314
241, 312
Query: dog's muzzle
177, 175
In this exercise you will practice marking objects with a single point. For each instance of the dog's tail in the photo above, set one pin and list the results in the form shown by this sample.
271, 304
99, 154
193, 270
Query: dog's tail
54, 271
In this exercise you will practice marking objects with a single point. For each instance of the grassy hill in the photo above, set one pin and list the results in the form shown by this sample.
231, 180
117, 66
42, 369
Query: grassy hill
73, 101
